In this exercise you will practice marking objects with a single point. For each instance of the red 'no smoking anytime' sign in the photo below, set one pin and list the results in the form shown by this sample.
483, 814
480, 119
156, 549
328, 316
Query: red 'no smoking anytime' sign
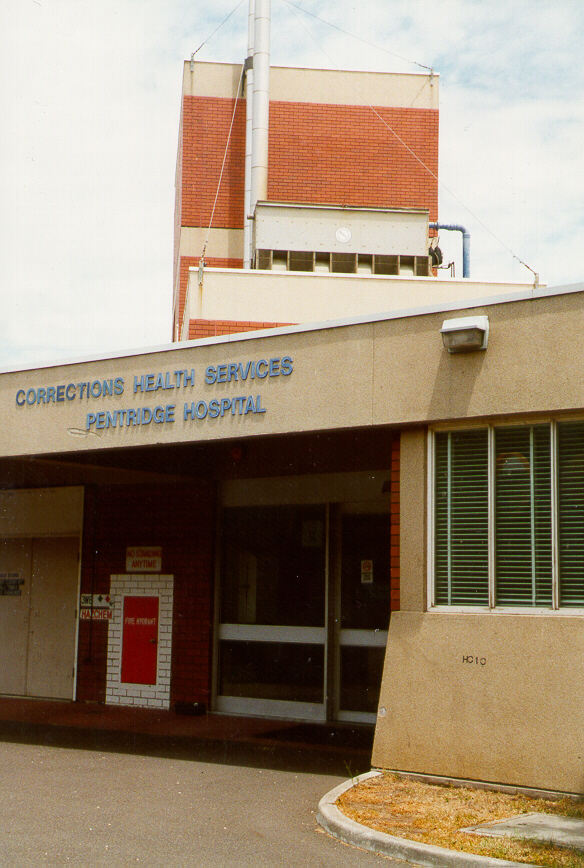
366, 572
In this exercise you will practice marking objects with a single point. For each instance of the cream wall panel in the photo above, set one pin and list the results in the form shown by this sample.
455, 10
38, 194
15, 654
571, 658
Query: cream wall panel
402, 90
15, 557
39, 627
515, 717
212, 79
287, 84
223, 243
292, 297
413, 519
53, 618
41, 512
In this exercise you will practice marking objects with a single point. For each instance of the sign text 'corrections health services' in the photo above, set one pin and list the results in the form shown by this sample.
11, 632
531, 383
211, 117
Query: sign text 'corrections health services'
163, 382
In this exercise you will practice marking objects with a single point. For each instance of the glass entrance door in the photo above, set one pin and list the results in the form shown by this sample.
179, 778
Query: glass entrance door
363, 608
272, 636
304, 611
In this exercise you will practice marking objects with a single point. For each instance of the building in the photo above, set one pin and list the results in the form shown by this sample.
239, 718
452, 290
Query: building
327, 147
357, 494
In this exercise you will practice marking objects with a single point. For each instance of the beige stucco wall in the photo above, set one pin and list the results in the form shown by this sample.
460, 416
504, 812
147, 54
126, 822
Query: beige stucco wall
413, 517
392, 371
288, 84
514, 717
322, 392
531, 364
490, 696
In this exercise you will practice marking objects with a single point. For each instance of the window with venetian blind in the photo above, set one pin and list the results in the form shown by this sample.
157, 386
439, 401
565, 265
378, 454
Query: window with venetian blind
509, 517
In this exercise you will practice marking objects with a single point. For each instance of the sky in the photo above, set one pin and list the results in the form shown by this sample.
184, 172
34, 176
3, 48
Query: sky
90, 104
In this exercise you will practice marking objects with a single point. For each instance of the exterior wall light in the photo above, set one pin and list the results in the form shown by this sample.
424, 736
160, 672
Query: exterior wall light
465, 334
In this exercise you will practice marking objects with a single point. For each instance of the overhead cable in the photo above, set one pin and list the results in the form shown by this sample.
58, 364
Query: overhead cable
214, 32
400, 140
346, 32
202, 263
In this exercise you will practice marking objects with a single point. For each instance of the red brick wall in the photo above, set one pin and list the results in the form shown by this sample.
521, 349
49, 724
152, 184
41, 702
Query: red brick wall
208, 328
329, 154
346, 155
180, 519
205, 132
395, 519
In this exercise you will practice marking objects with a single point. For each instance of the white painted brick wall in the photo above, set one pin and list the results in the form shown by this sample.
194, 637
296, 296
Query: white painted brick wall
147, 695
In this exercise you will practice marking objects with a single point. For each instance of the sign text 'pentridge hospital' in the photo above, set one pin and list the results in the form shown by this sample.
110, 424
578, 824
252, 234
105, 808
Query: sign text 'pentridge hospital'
143, 384
195, 410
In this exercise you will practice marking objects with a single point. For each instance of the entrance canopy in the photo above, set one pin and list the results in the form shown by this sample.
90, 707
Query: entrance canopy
333, 376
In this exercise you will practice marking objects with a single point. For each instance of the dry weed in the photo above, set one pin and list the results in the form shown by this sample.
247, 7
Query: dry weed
434, 815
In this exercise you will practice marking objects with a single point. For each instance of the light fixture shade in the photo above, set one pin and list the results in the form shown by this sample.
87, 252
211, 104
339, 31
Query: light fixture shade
465, 334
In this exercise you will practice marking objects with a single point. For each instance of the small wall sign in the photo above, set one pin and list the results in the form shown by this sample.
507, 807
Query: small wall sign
95, 615
96, 601
144, 559
10, 583
140, 640
366, 572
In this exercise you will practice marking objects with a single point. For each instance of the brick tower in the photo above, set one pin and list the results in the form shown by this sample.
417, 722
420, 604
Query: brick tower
367, 140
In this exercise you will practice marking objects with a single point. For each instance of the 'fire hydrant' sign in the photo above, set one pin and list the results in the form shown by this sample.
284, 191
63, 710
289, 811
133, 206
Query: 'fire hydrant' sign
144, 559
139, 640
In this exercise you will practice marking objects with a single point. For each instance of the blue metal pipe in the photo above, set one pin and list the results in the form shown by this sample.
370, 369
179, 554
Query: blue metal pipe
465, 243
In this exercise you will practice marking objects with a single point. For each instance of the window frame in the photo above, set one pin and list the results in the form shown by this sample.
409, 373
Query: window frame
554, 608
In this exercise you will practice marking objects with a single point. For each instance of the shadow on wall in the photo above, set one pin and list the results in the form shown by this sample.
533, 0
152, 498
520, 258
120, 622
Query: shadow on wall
455, 383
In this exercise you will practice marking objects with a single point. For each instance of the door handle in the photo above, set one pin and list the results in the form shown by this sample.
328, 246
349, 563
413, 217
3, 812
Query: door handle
153, 641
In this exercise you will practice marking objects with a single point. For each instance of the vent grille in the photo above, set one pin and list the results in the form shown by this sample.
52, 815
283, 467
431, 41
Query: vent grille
342, 263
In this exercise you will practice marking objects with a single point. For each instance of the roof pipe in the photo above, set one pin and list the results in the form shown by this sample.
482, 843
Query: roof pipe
261, 103
465, 243
247, 225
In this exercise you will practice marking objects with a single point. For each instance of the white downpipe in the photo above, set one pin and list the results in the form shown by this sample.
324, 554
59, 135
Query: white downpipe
261, 104
247, 225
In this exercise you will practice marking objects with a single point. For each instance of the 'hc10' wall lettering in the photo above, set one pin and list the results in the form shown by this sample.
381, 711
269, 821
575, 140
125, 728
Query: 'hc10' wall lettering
479, 661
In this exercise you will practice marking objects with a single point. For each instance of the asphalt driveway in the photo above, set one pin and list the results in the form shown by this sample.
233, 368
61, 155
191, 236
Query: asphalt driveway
81, 806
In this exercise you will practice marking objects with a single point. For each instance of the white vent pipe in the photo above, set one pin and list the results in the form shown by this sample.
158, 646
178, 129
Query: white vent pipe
247, 233
261, 103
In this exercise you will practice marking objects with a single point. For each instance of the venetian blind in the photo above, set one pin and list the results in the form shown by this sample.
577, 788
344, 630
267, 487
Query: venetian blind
571, 513
523, 533
461, 528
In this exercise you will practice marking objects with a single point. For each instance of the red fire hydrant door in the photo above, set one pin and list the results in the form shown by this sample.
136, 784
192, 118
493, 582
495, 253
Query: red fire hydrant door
140, 640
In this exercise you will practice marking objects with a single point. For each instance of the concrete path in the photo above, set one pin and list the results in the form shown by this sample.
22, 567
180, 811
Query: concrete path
551, 828
74, 806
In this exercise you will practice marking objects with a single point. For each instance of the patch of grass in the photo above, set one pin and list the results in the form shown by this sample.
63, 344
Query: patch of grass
434, 814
